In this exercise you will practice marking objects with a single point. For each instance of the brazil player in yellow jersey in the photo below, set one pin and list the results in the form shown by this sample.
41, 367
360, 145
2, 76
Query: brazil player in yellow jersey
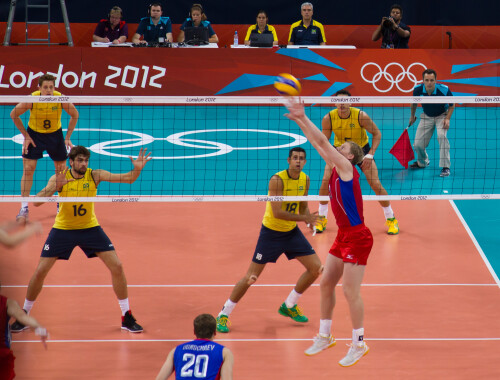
280, 234
44, 133
351, 124
77, 225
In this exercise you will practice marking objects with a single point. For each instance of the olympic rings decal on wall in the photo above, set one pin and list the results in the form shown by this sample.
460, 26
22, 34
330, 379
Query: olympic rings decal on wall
141, 139
389, 78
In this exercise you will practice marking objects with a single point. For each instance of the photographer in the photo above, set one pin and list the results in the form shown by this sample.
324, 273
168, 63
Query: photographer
394, 33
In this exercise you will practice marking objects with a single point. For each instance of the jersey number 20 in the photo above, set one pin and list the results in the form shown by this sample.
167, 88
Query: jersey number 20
200, 363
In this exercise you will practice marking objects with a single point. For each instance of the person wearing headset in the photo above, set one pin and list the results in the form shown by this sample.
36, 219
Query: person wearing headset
198, 19
154, 28
112, 29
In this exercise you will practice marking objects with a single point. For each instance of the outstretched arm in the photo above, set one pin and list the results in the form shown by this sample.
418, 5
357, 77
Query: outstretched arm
130, 177
11, 240
331, 156
15, 311
56, 183
167, 368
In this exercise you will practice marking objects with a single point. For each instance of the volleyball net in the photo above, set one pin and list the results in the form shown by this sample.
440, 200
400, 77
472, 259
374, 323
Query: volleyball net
227, 148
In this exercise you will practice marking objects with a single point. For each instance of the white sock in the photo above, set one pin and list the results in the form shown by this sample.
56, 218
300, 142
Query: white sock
358, 336
323, 210
24, 204
227, 308
28, 305
124, 305
292, 299
388, 212
325, 327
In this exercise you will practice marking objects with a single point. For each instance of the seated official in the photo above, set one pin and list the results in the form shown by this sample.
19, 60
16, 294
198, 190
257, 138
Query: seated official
154, 28
307, 31
394, 33
198, 19
112, 29
262, 28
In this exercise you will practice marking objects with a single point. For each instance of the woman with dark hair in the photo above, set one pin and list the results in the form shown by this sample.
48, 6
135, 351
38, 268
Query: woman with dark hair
198, 19
261, 27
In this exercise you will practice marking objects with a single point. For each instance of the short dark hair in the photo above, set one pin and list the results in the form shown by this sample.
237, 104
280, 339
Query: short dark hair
429, 71
296, 149
397, 6
204, 326
262, 11
342, 92
155, 5
46, 77
78, 150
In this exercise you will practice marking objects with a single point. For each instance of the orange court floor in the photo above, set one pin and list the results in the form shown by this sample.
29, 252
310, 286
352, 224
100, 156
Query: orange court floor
431, 306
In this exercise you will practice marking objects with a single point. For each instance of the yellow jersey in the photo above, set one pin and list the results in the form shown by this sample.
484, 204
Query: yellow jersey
80, 215
348, 129
45, 117
291, 187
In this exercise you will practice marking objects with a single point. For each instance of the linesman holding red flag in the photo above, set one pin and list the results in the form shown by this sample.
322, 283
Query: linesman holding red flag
351, 124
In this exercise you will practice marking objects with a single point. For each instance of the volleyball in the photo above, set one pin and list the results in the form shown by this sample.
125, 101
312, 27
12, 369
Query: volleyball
287, 84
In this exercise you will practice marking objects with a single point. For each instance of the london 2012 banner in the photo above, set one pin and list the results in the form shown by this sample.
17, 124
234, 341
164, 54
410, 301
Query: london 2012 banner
244, 72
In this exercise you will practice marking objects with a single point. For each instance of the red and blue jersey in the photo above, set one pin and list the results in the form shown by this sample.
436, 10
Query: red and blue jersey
346, 200
198, 359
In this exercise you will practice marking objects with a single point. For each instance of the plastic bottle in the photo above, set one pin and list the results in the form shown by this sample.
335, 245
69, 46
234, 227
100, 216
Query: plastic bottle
235, 38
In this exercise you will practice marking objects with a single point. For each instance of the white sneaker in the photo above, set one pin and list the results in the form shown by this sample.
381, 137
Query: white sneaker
354, 354
320, 343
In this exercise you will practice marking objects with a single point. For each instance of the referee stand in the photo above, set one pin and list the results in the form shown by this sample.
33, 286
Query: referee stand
28, 23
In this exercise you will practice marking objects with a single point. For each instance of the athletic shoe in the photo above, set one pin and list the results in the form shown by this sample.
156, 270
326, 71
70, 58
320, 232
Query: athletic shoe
416, 165
294, 312
320, 343
354, 354
393, 225
321, 224
223, 323
23, 215
128, 323
17, 327
445, 172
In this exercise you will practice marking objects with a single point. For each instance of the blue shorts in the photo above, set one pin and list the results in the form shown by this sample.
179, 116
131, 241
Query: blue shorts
60, 243
272, 244
53, 143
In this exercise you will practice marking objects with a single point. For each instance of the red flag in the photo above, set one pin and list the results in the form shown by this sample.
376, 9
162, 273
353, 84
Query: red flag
402, 149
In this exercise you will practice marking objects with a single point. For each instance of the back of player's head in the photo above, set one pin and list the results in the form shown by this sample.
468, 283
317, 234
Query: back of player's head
429, 72
46, 77
204, 326
357, 152
296, 149
78, 150
343, 92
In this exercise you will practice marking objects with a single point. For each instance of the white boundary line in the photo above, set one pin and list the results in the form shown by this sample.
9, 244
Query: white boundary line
232, 285
478, 247
253, 340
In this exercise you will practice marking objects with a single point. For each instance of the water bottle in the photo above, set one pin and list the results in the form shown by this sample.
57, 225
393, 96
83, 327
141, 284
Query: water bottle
235, 38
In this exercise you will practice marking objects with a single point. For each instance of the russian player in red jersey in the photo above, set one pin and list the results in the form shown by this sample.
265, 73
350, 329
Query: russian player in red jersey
349, 253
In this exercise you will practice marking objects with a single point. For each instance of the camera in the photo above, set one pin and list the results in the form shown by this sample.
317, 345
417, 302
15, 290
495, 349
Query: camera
388, 22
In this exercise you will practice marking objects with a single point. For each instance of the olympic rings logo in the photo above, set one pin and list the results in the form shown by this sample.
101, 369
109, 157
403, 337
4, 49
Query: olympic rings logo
108, 148
390, 78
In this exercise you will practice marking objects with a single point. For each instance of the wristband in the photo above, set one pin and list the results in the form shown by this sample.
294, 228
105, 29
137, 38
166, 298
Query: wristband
370, 156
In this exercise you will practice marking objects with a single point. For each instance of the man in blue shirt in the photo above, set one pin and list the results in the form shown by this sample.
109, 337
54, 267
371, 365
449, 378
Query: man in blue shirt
435, 116
154, 28
306, 31
201, 358
395, 34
